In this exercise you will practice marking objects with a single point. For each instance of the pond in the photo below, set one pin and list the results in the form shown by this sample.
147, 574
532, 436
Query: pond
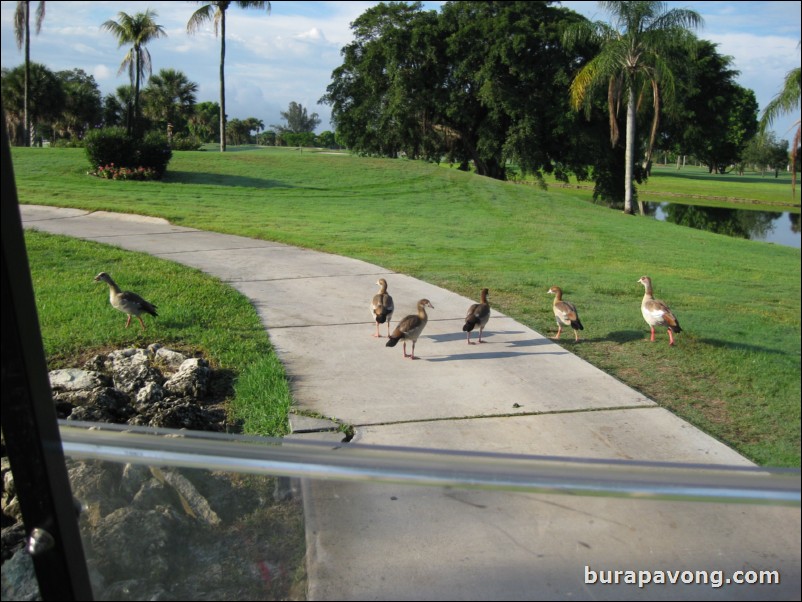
780, 228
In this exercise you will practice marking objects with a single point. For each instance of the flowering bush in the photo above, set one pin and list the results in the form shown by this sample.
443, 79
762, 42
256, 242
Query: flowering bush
112, 172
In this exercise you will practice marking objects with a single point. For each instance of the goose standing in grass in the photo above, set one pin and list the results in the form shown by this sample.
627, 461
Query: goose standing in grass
382, 307
656, 312
565, 312
126, 301
478, 313
409, 328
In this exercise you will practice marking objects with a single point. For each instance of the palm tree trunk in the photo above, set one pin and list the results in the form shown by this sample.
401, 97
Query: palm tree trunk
26, 93
222, 82
134, 128
630, 150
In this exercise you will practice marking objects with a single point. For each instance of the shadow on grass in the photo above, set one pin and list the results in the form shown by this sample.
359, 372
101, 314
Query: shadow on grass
741, 347
216, 179
623, 336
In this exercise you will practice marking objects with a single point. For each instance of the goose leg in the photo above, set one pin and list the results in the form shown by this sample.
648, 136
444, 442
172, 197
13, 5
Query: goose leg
670, 337
141, 322
559, 331
128, 321
652, 339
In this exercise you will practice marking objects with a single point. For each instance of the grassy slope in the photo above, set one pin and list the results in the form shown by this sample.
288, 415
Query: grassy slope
735, 371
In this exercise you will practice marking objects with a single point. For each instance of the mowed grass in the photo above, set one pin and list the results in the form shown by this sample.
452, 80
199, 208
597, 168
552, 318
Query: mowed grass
735, 371
198, 314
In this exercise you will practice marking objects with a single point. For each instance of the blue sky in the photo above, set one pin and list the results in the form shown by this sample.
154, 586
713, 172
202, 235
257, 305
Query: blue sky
289, 55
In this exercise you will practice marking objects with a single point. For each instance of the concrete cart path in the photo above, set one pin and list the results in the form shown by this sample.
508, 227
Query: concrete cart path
517, 393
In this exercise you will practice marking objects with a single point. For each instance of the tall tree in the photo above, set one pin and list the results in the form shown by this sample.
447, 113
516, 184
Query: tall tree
631, 63
786, 101
46, 96
83, 108
22, 32
137, 30
712, 118
215, 11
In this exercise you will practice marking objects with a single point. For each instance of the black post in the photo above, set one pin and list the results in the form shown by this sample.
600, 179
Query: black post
30, 427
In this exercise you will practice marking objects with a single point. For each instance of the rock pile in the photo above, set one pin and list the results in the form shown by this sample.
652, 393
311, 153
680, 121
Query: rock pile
158, 533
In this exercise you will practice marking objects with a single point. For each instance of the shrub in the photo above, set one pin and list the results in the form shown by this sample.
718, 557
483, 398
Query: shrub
153, 152
115, 155
109, 146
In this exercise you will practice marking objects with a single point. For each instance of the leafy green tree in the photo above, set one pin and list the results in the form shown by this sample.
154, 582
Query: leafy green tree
474, 84
764, 152
137, 30
254, 126
267, 138
630, 64
215, 11
327, 139
204, 123
82, 107
113, 111
298, 121
46, 97
712, 117
237, 132
170, 99
384, 95
22, 33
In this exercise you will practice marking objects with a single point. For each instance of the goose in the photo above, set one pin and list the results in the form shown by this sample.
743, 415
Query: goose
565, 312
409, 328
478, 313
656, 312
126, 301
382, 307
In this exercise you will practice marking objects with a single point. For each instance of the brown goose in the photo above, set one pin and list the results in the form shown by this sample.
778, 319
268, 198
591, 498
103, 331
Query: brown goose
382, 307
409, 328
656, 312
126, 301
565, 312
478, 313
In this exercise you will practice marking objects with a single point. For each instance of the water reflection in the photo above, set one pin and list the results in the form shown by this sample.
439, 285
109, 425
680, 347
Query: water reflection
768, 226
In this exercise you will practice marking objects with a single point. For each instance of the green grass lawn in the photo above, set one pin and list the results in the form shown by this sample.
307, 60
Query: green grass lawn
735, 371
203, 315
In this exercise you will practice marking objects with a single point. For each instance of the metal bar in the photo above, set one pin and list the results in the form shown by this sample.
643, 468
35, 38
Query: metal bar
348, 461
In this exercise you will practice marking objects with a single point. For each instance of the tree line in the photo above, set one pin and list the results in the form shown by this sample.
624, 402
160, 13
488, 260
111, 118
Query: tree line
67, 104
511, 88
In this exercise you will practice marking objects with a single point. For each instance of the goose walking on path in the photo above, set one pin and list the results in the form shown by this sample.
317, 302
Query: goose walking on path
565, 312
382, 307
126, 301
478, 313
409, 328
657, 313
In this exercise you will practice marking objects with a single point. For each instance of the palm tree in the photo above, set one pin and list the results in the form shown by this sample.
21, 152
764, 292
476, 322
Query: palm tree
216, 11
136, 30
631, 61
22, 31
170, 98
786, 101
